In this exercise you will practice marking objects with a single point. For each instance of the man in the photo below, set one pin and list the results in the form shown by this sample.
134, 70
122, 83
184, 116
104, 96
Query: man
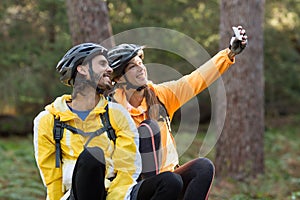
101, 167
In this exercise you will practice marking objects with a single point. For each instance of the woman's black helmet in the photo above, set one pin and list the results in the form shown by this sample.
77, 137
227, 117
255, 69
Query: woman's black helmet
76, 56
119, 56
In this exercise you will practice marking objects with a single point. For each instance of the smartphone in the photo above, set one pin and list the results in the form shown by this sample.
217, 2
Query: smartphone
237, 33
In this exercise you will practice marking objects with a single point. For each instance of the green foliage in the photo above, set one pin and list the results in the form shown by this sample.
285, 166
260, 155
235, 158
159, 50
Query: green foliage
35, 35
18, 175
282, 57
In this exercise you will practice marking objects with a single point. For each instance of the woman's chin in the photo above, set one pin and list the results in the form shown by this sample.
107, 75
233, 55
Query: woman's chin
142, 81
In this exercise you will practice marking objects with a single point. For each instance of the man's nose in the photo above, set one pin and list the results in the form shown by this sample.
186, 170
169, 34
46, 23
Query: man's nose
109, 69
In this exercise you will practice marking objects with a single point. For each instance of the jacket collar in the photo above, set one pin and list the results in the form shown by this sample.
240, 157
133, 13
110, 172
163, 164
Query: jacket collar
120, 97
59, 108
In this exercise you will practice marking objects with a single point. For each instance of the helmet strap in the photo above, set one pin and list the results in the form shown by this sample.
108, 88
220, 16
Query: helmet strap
131, 86
92, 82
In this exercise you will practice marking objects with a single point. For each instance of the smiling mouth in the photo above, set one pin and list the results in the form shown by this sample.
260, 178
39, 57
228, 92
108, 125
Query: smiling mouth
140, 75
106, 75
106, 81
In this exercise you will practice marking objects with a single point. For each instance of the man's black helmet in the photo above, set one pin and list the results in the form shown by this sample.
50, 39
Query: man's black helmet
76, 56
119, 56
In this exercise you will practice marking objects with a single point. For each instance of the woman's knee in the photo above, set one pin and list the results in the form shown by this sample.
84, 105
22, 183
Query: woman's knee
204, 169
206, 164
172, 181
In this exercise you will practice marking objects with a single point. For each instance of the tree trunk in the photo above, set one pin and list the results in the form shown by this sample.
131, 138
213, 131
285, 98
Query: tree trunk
89, 22
240, 151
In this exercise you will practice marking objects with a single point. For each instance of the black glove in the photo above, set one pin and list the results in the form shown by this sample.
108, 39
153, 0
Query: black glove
238, 41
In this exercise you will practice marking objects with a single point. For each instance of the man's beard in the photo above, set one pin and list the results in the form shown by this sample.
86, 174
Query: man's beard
105, 85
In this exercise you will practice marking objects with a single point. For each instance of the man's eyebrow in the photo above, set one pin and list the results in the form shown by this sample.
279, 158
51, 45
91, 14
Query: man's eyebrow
103, 60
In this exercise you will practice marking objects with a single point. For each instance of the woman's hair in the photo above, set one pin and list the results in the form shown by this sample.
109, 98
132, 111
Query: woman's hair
153, 104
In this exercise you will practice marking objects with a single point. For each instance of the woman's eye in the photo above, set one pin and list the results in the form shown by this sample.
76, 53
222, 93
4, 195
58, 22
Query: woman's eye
131, 67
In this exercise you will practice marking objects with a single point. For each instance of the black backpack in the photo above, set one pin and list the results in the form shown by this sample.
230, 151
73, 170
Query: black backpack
59, 127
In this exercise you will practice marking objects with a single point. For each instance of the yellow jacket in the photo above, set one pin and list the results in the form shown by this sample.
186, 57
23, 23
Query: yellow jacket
122, 160
173, 95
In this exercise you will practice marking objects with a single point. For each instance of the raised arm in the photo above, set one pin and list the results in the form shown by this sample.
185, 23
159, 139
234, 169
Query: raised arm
176, 93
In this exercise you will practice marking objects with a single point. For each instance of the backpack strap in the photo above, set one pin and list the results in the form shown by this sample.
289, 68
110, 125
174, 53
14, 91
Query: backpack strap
106, 123
57, 134
59, 127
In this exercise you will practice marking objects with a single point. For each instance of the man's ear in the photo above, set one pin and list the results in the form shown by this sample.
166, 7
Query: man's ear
82, 69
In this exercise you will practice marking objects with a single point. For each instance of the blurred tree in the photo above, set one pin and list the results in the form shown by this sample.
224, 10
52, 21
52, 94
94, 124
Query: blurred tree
32, 34
240, 149
89, 21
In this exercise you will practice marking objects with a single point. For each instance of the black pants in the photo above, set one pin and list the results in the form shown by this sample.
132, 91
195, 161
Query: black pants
164, 186
88, 176
90, 170
197, 176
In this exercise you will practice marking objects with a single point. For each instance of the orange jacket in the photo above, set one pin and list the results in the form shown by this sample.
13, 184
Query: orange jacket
173, 95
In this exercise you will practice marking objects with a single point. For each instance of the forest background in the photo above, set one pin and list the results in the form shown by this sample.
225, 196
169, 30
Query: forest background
35, 34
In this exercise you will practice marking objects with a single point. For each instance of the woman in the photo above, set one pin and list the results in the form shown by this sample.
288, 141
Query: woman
147, 101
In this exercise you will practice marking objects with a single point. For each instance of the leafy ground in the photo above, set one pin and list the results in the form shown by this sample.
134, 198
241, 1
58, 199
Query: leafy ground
19, 178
